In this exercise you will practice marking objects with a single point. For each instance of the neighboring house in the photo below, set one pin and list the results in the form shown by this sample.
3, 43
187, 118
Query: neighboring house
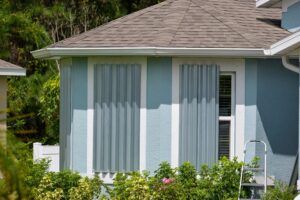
6, 69
184, 80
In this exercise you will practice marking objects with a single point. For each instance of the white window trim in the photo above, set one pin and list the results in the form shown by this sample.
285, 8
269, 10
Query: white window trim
90, 114
232, 65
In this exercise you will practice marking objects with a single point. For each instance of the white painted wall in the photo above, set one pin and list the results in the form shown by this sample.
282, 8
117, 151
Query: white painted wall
50, 152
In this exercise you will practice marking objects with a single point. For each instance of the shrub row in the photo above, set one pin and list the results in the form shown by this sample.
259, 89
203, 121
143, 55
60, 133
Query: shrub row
26, 179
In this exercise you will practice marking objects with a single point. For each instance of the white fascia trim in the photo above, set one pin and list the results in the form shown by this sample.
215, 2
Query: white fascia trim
266, 3
12, 72
148, 51
285, 45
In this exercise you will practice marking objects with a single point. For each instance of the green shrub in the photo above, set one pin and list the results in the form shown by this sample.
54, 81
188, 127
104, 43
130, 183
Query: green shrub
26, 179
12, 184
86, 189
187, 178
67, 185
35, 171
281, 191
220, 182
20, 173
132, 186
56, 184
164, 184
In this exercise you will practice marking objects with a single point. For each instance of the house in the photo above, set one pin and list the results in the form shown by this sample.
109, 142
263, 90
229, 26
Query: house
6, 69
184, 80
288, 47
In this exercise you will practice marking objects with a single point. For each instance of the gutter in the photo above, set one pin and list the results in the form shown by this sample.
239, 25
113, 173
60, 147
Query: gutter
288, 65
7, 71
56, 53
285, 45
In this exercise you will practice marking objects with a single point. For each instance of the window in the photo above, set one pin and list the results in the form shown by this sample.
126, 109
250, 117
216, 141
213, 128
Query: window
226, 106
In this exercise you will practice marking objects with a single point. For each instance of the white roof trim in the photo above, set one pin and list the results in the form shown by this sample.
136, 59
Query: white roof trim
285, 45
8, 71
147, 51
266, 3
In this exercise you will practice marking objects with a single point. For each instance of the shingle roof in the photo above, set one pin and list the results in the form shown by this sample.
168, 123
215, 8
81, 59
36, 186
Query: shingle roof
187, 24
4, 64
9, 69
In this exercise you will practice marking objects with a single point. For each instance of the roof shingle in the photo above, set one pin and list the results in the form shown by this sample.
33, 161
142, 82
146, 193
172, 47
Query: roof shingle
187, 24
4, 64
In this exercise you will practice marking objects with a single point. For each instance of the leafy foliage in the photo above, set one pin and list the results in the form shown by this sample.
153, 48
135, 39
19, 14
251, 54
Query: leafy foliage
28, 25
86, 189
218, 182
133, 186
49, 110
26, 179
281, 191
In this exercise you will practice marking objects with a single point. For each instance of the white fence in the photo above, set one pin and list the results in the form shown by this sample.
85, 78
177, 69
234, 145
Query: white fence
50, 152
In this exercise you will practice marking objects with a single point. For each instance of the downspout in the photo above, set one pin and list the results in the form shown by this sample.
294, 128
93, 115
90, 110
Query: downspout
288, 65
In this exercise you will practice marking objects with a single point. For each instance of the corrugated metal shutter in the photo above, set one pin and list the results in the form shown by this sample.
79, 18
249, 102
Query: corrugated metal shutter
199, 112
65, 117
117, 117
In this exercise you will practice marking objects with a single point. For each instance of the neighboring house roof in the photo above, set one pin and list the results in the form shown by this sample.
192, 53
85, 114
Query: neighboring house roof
285, 45
175, 24
9, 69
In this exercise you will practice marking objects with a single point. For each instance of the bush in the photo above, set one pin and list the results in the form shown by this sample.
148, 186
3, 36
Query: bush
67, 185
222, 180
86, 189
281, 191
24, 178
133, 186
164, 184
216, 183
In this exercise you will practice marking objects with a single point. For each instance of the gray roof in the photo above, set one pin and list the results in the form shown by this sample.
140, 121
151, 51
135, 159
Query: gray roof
9, 69
187, 24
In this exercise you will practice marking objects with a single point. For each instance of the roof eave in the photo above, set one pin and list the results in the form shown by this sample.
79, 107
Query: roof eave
54, 53
5, 71
285, 45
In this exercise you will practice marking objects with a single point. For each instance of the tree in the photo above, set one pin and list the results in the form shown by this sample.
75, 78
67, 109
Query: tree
27, 25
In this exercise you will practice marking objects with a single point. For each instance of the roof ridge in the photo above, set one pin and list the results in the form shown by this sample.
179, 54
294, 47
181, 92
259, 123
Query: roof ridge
112, 23
250, 42
175, 27
180, 23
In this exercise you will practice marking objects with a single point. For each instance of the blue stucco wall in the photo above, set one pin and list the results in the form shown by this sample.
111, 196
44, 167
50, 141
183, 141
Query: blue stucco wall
273, 111
290, 19
251, 105
159, 97
79, 114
